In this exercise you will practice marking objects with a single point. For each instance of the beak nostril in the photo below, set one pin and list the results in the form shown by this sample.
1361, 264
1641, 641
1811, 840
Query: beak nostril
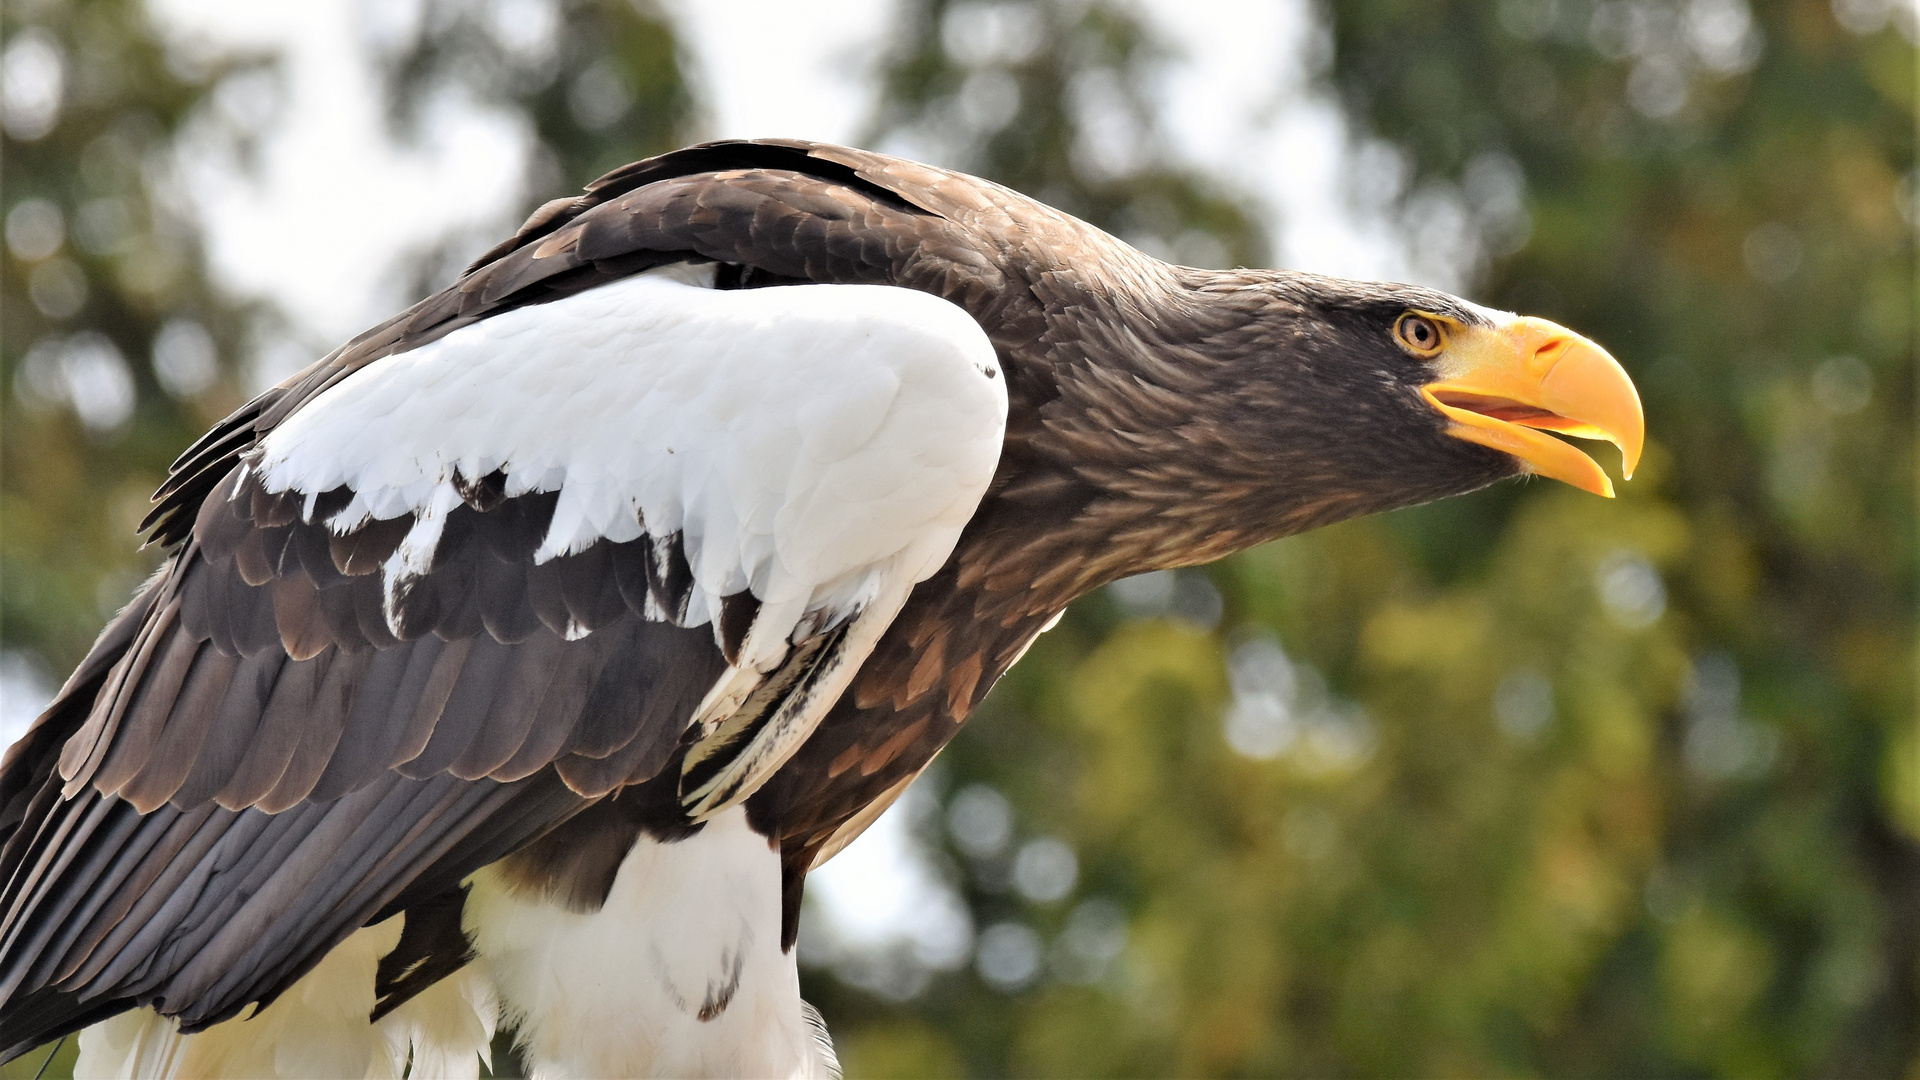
1551, 352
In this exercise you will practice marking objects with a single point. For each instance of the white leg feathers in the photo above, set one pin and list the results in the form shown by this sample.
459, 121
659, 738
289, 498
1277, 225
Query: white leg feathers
679, 974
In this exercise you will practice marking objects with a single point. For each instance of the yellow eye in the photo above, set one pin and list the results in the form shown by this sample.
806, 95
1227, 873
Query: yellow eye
1419, 334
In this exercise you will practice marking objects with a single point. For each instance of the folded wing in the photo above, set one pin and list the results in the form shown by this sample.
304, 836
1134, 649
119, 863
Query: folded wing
646, 530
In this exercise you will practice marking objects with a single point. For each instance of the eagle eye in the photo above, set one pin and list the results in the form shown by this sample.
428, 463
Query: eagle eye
1419, 334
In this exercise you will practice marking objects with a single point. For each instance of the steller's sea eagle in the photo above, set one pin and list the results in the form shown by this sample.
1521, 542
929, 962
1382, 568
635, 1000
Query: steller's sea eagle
519, 658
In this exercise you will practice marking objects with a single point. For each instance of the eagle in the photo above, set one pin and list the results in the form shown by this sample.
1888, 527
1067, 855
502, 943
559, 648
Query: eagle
516, 661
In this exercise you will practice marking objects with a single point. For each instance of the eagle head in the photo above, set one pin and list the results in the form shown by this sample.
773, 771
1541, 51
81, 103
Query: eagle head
1244, 405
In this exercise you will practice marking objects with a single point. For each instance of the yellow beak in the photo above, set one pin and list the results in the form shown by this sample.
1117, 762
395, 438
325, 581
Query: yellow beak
1503, 386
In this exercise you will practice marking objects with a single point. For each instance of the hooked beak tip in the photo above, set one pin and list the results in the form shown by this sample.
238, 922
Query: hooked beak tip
1507, 386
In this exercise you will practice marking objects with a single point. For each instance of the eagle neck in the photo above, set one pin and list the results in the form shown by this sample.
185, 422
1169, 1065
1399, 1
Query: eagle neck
1135, 460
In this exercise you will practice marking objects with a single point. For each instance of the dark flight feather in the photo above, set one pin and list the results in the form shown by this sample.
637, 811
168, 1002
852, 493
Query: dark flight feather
432, 946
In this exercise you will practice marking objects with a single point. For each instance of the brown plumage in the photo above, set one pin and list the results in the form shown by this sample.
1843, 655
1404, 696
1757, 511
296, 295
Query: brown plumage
255, 705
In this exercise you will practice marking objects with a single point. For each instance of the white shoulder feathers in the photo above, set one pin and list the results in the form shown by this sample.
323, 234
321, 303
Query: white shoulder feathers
803, 440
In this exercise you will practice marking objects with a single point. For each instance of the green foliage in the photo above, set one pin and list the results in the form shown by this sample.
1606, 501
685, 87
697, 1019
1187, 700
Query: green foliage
598, 80
1726, 210
598, 83
1053, 100
57, 1060
114, 349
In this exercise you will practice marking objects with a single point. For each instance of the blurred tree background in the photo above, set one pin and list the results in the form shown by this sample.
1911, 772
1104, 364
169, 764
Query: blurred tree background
116, 352
1522, 783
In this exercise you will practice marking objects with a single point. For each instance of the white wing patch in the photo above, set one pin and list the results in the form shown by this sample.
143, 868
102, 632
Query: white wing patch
819, 445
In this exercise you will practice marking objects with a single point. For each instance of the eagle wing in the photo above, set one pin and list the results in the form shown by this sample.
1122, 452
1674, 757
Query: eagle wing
441, 595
